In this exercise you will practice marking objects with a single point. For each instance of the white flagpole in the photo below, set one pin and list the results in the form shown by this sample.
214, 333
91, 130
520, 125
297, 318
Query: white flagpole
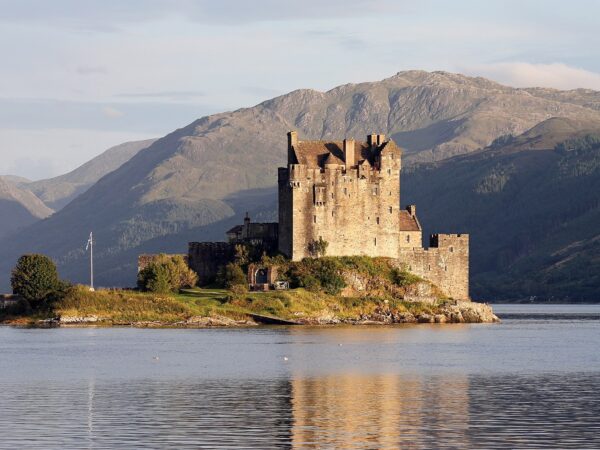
91, 262
90, 244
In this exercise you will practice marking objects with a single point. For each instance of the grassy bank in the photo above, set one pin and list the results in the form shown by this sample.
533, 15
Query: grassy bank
124, 307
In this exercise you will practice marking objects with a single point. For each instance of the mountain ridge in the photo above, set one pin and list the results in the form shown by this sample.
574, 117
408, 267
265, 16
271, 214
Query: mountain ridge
183, 181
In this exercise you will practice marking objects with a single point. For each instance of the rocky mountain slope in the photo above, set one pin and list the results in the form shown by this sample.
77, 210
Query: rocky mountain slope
188, 185
531, 206
18, 207
58, 191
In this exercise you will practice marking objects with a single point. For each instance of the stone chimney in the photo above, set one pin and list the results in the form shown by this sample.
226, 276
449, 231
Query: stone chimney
372, 140
349, 153
412, 210
246, 231
292, 142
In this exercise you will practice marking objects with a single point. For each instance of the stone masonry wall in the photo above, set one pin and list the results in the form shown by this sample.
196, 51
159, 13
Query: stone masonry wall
356, 210
205, 258
445, 263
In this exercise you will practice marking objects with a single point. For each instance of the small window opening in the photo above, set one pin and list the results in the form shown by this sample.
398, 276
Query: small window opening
315, 219
408, 238
377, 220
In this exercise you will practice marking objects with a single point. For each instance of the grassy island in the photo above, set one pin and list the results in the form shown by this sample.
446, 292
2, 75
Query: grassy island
358, 290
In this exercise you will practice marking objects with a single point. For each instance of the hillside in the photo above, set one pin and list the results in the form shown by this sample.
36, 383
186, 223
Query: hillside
187, 185
58, 191
18, 207
533, 212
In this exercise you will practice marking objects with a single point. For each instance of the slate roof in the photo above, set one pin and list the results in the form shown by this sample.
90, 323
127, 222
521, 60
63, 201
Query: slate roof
408, 222
318, 153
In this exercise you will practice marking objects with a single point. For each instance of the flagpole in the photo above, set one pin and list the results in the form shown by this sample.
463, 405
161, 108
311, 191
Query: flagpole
91, 261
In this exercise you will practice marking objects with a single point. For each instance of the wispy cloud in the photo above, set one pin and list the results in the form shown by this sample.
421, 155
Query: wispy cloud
522, 74
165, 95
111, 112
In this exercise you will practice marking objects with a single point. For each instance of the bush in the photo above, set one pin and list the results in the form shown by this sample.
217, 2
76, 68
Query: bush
166, 273
35, 278
316, 274
156, 278
231, 275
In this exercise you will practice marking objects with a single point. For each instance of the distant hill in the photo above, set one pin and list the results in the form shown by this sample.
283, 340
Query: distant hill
187, 184
58, 191
532, 209
18, 207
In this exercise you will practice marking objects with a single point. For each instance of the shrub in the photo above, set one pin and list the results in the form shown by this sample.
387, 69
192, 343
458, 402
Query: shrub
404, 278
35, 278
166, 273
318, 247
231, 275
321, 273
156, 278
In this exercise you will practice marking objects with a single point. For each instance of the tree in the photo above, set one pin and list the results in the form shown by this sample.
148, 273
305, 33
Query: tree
156, 277
318, 247
35, 278
166, 273
231, 275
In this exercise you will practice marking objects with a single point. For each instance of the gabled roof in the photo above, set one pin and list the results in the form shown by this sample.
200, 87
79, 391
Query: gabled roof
236, 229
318, 153
408, 222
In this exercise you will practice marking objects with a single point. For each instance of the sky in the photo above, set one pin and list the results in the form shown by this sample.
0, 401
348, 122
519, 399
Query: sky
80, 76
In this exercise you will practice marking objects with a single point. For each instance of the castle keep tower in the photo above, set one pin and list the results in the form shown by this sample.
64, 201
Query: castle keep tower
346, 193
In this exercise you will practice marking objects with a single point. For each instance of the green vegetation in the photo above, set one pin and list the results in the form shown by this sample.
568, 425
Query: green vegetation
323, 294
35, 278
166, 274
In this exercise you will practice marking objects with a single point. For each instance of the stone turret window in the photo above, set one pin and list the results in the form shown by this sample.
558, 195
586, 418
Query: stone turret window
375, 242
345, 191
391, 209
315, 219
408, 238
377, 220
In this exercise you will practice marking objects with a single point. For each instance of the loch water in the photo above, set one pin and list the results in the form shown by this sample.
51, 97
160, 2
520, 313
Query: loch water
532, 381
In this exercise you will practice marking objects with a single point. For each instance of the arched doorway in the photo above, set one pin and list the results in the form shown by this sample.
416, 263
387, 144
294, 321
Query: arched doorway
261, 276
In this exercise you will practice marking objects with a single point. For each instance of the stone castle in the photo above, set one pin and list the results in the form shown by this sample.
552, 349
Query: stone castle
346, 193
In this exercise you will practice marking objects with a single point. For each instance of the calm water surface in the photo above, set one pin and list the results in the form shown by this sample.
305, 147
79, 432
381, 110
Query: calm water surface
532, 381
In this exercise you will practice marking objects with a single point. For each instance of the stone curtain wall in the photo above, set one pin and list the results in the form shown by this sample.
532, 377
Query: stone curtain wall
205, 258
445, 263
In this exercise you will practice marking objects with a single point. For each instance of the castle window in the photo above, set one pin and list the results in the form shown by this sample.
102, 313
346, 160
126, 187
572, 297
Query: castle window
377, 220
315, 219
389, 171
391, 209
451, 249
345, 191
375, 191
390, 192
332, 213
375, 241
429, 267
408, 238
446, 268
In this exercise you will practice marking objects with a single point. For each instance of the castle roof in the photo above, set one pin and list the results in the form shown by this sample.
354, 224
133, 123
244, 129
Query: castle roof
408, 222
318, 153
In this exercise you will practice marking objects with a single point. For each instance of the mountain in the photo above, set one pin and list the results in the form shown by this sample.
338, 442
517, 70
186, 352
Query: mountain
531, 206
18, 207
58, 191
187, 185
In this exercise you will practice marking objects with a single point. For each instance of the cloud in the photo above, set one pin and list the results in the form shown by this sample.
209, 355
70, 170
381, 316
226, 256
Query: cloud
522, 74
112, 112
167, 95
110, 15
91, 70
